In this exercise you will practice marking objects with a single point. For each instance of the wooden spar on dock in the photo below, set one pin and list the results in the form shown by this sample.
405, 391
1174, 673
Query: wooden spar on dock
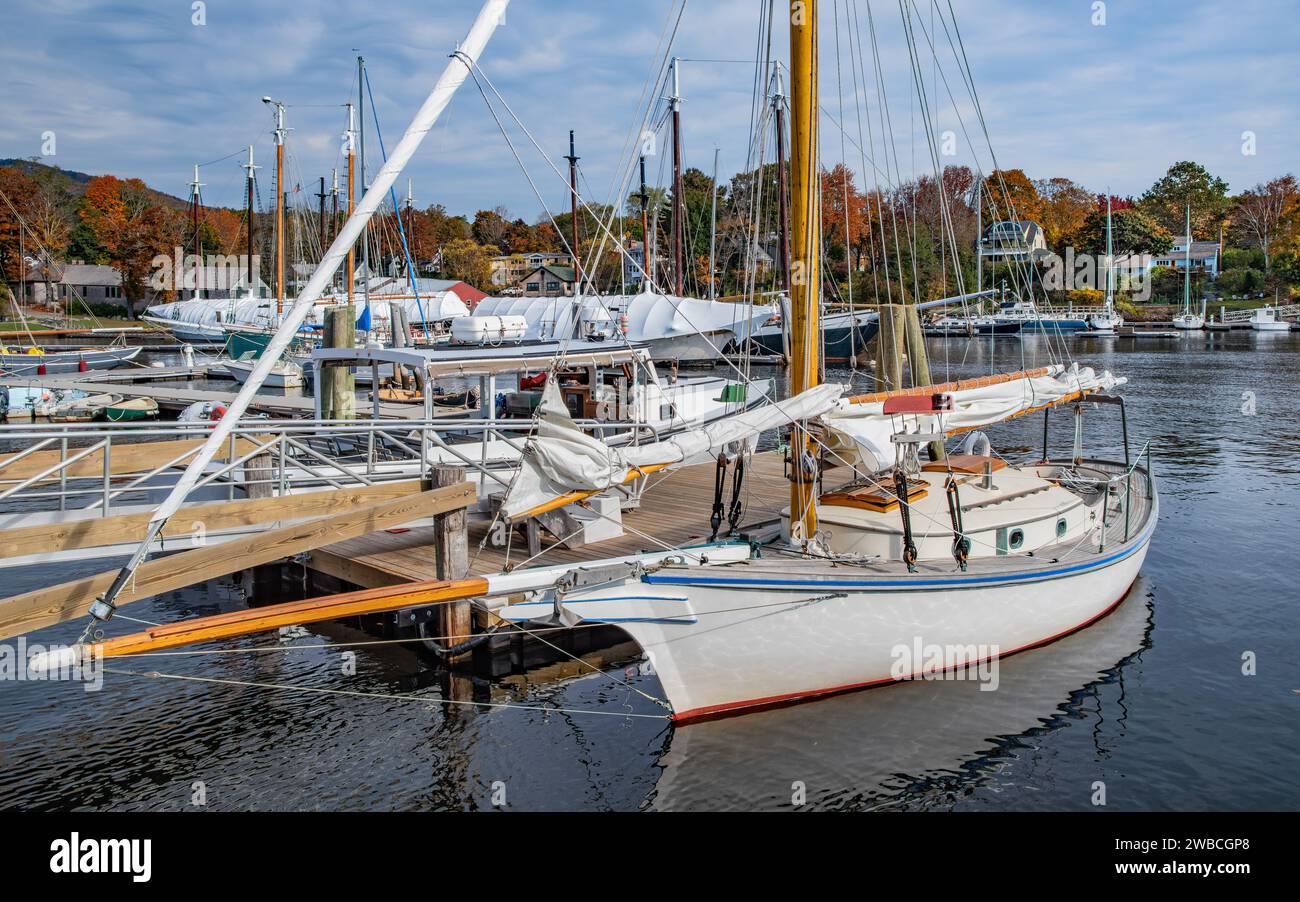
55, 604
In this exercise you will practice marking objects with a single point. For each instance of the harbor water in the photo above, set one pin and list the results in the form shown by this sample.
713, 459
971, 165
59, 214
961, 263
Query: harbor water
1184, 697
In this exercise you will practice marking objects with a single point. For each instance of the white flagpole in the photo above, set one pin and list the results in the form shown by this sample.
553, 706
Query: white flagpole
490, 16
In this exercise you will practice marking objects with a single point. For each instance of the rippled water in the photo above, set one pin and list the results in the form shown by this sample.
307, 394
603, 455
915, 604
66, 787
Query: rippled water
1151, 700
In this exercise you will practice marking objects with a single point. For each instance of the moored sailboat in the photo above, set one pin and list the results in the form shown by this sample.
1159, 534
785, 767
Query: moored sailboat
968, 552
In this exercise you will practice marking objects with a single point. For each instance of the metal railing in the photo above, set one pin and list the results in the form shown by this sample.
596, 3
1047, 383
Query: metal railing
93, 466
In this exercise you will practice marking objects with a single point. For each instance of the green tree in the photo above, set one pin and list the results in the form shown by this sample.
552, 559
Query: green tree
1187, 183
1133, 232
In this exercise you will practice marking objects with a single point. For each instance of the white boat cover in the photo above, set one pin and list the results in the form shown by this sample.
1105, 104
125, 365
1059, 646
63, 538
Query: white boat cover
261, 311
866, 430
650, 315
561, 458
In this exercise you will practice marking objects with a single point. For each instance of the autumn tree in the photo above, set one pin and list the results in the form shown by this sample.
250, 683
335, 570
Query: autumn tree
467, 261
1065, 206
133, 229
1260, 213
1012, 195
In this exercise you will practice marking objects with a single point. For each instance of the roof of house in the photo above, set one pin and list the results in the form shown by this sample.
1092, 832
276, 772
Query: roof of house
563, 273
89, 274
1027, 228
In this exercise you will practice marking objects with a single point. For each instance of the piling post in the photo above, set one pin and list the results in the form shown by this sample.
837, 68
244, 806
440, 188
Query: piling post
451, 550
336, 383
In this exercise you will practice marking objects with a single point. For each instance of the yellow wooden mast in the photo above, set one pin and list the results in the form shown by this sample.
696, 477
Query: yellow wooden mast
805, 245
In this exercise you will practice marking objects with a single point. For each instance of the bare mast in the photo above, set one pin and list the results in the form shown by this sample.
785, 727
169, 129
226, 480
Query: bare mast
679, 230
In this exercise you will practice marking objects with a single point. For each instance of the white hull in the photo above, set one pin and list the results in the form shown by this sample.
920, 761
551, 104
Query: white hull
1189, 322
281, 376
780, 629
696, 347
1271, 327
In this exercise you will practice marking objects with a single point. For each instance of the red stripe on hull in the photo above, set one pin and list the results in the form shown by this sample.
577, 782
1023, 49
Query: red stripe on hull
714, 712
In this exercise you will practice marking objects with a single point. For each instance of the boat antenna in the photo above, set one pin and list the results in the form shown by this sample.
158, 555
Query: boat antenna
453, 76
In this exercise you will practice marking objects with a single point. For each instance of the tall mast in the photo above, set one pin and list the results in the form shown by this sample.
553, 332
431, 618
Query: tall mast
410, 225
1110, 269
646, 279
1187, 265
805, 277
351, 139
573, 209
195, 195
320, 222
279, 203
248, 168
783, 205
365, 232
678, 215
979, 236
713, 229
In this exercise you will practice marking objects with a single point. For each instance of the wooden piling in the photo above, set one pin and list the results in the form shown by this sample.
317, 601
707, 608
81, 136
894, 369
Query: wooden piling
451, 550
336, 383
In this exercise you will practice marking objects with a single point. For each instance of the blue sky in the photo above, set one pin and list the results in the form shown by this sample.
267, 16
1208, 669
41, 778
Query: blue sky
136, 89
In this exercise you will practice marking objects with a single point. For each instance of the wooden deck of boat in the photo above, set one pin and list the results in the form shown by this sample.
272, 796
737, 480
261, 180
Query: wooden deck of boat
674, 510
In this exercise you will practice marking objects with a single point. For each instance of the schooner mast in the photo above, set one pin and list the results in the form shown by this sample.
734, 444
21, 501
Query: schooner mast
805, 251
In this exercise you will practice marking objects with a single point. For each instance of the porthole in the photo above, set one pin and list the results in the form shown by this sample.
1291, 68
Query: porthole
1060, 528
1015, 539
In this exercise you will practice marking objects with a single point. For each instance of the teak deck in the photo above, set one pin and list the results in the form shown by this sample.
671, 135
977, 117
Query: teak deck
674, 510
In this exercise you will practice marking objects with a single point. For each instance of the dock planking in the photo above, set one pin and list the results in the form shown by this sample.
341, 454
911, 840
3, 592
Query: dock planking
674, 510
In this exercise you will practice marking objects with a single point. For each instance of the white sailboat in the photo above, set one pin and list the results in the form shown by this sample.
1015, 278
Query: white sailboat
1107, 320
1187, 320
971, 555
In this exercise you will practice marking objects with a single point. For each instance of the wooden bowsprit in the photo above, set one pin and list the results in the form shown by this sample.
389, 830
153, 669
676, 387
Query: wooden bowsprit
292, 613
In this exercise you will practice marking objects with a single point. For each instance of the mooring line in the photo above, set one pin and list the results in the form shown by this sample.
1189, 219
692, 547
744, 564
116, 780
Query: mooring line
155, 674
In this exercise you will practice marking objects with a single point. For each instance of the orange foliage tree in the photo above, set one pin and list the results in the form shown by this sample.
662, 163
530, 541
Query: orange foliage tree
133, 229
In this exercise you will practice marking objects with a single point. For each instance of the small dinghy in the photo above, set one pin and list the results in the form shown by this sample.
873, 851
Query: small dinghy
467, 398
83, 408
130, 409
285, 374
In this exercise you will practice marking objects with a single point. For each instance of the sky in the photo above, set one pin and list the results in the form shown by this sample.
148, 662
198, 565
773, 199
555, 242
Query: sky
1108, 94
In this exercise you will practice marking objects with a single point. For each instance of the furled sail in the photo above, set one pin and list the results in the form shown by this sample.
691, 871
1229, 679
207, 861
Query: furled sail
562, 460
860, 432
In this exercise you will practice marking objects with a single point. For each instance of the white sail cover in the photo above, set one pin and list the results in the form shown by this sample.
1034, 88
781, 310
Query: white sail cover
562, 458
260, 312
862, 433
650, 315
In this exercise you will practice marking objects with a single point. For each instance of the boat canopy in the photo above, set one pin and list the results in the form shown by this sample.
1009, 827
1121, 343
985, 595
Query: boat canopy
650, 315
443, 305
860, 432
562, 459
474, 361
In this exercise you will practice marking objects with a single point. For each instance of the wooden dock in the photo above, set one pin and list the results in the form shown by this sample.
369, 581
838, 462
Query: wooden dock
674, 510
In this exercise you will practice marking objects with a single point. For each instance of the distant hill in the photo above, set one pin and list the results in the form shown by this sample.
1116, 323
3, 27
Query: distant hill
75, 182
